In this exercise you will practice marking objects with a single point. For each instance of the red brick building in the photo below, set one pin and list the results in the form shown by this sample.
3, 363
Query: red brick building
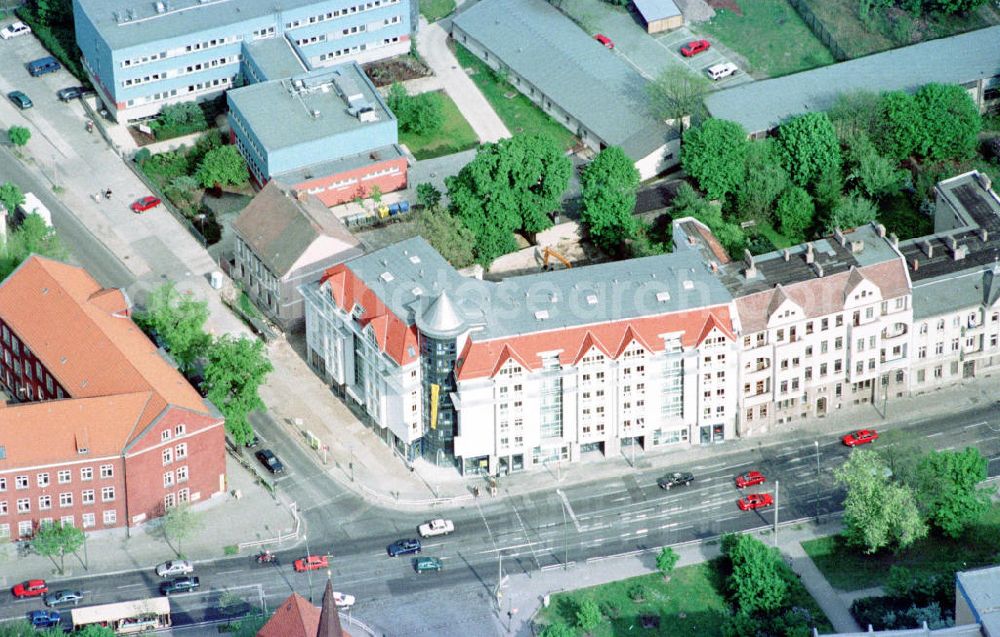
100, 431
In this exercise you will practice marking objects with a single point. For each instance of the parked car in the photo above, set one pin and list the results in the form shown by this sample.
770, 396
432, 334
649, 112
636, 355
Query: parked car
422, 564
605, 40
270, 461
180, 585
675, 479
403, 547
144, 204
311, 563
720, 71
30, 588
63, 597
174, 567
343, 600
695, 47
70, 93
749, 479
436, 527
755, 501
14, 30
20, 100
860, 437
44, 618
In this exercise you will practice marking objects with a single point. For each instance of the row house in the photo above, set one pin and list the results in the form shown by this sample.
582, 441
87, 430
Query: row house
125, 436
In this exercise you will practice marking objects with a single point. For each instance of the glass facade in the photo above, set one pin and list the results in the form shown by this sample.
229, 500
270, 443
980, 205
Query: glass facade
437, 364
552, 389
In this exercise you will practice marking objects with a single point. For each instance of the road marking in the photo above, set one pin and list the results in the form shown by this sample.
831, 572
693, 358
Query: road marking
794, 460
940, 433
131, 585
642, 532
229, 572
978, 424
569, 509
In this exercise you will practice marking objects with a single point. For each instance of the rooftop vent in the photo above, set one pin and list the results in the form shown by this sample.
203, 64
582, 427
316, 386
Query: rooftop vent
591, 299
857, 246
387, 277
416, 291
160, 7
554, 297
541, 315
663, 297
688, 284
414, 259
315, 113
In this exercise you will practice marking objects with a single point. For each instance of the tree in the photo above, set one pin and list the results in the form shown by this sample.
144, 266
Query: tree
714, 154
688, 203
222, 166
375, 194
93, 630
954, 6
810, 147
178, 524
448, 235
948, 486
18, 135
898, 126
510, 185
795, 212
873, 174
588, 615
558, 629
677, 93
762, 181
417, 114
756, 581
950, 122
855, 113
878, 513
55, 539
428, 195
902, 452
851, 212
11, 196
609, 184
180, 321
17, 628
666, 560
182, 114
235, 371
33, 236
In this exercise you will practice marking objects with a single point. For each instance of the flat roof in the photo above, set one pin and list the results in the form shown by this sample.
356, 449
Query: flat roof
308, 107
91, 614
276, 58
763, 105
341, 165
653, 10
981, 589
591, 83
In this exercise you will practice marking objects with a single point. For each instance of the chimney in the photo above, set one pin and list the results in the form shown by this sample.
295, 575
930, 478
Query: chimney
810, 257
787, 254
894, 239
880, 229
857, 246
713, 266
983, 235
952, 243
916, 265
959, 253
839, 236
818, 269
928, 248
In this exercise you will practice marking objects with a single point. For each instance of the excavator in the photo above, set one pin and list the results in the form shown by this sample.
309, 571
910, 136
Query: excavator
548, 253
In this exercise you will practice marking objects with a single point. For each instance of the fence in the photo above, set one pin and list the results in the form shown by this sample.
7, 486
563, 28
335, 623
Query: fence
819, 30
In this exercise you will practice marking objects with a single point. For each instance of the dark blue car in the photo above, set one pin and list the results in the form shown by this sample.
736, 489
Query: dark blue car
44, 618
403, 547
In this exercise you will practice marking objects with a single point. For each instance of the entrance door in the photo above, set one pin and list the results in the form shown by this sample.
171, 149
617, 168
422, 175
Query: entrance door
821, 407
969, 369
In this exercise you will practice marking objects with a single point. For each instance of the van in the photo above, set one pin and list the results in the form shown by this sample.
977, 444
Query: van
720, 71
43, 66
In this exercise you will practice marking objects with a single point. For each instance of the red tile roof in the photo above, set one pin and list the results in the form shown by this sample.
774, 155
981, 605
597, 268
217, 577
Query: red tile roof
295, 617
484, 358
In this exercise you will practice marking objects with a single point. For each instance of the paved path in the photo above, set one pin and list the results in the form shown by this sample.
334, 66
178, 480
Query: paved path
433, 48
821, 590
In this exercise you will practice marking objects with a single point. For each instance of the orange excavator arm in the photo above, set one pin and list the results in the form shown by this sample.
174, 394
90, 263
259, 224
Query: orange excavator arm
549, 253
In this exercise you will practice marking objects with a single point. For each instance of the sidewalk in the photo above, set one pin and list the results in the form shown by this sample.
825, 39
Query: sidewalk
225, 521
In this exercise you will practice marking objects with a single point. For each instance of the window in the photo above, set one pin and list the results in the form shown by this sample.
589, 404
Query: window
24, 528
87, 473
169, 501
3, 484
165, 435
21, 482
107, 494
184, 495
182, 449
24, 505
65, 476
110, 517
4, 531
182, 474
181, 429
43, 479
168, 456
168, 479
107, 471
66, 499
44, 502
88, 520
3, 507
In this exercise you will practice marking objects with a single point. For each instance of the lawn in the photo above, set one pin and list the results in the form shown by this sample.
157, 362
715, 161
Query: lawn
434, 10
771, 36
454, 136
518, 112
848, 569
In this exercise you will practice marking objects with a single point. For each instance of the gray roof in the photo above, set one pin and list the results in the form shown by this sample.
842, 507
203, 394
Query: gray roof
954, 292
307, 107
440, 318
279, 227
586, 80
276, 58
139, 23
339, 165
410, 275
981, 589
653, 10
761, 106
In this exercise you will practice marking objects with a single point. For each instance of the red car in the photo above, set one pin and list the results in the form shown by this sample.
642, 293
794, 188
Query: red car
605, 40
860, 437
695, 47
749, 479
30, 588
311, 563
146, 203
755, 501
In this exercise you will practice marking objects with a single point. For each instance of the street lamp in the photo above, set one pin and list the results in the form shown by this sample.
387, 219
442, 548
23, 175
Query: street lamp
816, 442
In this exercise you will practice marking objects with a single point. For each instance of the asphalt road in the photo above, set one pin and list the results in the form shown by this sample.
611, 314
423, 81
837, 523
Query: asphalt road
530, 531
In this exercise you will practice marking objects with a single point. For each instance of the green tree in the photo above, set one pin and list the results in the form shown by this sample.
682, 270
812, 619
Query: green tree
375, 194
11, 196
714, 154
878, 513
18, 135
397, 100
33, 236
94, 630
222, 166
951, 122
609, 184
54, 540
902, 452
179, 319
688, 203
677, 93
428, 195
949, 490
418, 114
235, 371
795, 211
509, 186
756, 581
558, 629
810, 147
183, 188
855, 113
954, 6
762, 182
588, 615
182, 114
898, 126
17, 628
874, 174
180, 523
448, 235
666, 560
851, 212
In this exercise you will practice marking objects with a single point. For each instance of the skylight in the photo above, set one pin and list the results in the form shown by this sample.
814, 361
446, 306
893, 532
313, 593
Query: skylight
689, 284
591, 299
541, 315
414, 259
387, 277
663, 297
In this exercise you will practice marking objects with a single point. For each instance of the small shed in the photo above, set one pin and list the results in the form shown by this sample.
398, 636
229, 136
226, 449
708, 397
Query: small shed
659, 15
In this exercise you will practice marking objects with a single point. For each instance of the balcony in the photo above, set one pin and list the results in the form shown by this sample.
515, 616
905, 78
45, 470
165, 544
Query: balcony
897, 330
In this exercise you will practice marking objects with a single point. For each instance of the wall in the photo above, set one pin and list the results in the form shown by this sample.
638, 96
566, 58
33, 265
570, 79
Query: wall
355, 182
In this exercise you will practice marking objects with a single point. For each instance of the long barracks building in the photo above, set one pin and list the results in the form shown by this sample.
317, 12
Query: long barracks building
681, 349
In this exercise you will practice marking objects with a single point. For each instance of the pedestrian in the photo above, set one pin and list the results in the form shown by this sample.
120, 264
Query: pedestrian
90, 126
107, 194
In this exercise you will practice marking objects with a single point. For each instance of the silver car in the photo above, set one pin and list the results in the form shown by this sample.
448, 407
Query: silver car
174, 567
56, 598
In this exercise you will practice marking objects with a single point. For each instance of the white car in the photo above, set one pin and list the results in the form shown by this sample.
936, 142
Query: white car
436, 527
174, 567
343, 600
720, 71
14, 30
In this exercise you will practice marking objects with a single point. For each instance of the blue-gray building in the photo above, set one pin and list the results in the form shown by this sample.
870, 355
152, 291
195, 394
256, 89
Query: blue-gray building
143, 55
